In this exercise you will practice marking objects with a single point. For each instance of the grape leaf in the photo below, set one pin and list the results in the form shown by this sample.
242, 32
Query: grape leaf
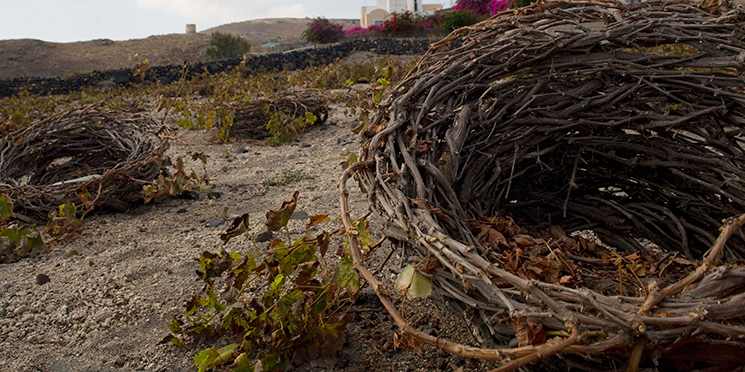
345, 275
6, 208
415, 285
242, 364
316, 219
238, 227
277, 218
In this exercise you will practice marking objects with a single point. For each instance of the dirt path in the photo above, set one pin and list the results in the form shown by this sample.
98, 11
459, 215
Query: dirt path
114, 288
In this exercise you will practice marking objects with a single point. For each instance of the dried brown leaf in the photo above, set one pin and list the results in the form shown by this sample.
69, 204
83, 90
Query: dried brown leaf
238, 227
277, 218
316, 219
528, 332
423, 146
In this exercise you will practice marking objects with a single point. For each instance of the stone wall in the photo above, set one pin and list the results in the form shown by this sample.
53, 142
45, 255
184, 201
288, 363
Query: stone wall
288, 61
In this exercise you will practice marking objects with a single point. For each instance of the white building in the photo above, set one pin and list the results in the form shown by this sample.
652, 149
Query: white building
375, 15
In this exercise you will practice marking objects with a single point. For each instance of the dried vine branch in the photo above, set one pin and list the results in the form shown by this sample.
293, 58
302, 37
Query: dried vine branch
624, 119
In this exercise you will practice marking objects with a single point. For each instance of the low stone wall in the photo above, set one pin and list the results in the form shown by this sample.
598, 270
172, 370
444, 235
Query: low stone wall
292, 60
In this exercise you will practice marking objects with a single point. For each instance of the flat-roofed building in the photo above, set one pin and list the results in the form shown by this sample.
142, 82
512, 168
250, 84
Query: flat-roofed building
381, 11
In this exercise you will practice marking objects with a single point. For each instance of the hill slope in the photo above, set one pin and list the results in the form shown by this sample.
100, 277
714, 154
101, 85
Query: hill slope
261, 31
28, 57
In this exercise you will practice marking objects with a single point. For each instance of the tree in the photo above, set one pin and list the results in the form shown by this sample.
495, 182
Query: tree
224, 46
322, 31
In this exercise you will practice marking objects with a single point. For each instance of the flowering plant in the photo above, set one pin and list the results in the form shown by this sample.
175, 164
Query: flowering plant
322, 31
483, 7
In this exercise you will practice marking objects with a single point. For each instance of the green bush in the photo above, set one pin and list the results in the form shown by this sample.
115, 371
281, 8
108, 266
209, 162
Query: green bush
461, 18
224, 46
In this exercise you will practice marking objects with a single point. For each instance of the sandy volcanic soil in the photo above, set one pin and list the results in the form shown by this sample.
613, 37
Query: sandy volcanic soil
114, 288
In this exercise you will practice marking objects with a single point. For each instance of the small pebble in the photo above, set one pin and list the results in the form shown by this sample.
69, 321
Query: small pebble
189, 195
20, 310
42, 279
215, 221
71, 252
264, 235
299, 215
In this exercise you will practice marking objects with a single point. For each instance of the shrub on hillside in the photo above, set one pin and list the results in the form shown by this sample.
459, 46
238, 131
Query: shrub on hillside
460, 18
323, 31
431, 21
224, 46
406, 22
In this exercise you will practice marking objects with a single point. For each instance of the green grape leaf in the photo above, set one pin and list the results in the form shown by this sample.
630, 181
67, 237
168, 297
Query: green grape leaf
345, 275
242, 363
6, 208
415, 285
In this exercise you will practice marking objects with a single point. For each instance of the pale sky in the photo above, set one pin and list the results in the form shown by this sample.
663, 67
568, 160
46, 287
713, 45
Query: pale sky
77, 20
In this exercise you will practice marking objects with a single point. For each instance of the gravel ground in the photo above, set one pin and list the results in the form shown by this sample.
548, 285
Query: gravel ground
114, 287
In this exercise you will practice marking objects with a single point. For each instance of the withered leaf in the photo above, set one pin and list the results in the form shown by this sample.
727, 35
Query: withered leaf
432, 265
316, 219
173, 339
711, 5
85, 197
323, 243
587, 245
423, 146
199, 155
523, 240
359, 128
238, 227
528, 332
277, 218
491, 238
306, 271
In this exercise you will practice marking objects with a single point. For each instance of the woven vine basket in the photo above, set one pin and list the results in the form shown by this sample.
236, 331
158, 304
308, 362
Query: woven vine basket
87, 156
562, 172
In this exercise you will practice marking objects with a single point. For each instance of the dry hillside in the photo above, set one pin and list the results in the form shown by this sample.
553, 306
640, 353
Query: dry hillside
29, 57
261, 31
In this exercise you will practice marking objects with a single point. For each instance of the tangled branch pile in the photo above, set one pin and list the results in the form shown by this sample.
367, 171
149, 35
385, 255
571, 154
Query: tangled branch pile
251, 117
624, 119
89, 157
